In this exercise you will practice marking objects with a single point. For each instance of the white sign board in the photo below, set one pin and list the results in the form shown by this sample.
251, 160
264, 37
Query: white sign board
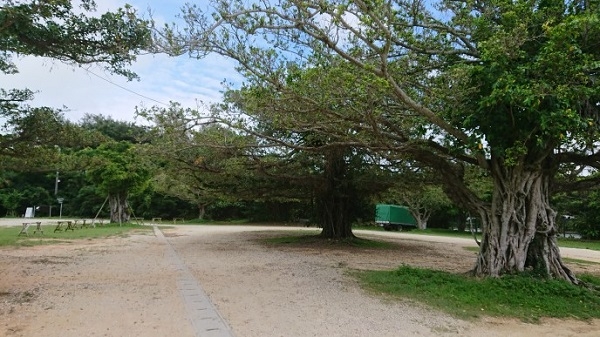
29, 212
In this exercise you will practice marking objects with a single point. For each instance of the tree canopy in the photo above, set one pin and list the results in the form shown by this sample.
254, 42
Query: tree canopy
114, 170
59, 31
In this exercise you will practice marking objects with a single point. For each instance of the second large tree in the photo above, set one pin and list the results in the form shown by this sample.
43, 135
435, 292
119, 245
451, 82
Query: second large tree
509, 86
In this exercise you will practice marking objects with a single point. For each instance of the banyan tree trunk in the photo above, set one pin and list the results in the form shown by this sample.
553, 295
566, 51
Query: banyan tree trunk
519, 230
335, 222
119, 209
334, 200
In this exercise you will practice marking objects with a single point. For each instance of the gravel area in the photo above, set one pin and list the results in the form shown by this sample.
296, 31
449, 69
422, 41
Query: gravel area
127, 286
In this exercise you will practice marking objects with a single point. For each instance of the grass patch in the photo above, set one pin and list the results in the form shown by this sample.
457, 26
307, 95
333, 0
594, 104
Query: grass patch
562, 242
368, 228
304, 240
443, 232
578, 261
472, 249
9, 236
578, 243
565, 259
519, 296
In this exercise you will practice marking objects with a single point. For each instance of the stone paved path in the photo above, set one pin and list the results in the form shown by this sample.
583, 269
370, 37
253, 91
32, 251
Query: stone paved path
205, 318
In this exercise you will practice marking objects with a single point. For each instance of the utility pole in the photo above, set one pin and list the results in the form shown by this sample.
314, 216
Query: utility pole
56, 181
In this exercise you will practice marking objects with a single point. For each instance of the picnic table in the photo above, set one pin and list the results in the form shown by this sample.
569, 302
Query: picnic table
60, 223
26, 225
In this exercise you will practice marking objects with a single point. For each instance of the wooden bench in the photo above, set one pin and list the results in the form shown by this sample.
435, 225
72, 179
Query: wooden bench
26, 225
68, 223
82, 223
176, 219
156, 219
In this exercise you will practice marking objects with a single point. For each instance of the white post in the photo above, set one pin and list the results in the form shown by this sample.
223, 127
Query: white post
60, 201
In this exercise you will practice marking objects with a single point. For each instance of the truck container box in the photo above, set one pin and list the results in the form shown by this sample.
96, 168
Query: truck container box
394, 217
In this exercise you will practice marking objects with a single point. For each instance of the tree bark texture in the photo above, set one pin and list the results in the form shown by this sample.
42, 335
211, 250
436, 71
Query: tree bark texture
421, 217
519, 229
119, 208
201, 211
334, 200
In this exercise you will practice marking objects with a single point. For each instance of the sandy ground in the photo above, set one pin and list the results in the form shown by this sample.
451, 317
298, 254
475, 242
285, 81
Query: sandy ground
127, 287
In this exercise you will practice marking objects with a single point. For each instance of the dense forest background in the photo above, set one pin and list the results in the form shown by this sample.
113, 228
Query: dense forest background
36, 187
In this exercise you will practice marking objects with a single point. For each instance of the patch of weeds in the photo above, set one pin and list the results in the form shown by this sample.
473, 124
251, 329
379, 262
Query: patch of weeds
47, 261
26, 297
17, 297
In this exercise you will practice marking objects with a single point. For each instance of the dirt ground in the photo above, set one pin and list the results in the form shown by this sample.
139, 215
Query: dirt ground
126, 286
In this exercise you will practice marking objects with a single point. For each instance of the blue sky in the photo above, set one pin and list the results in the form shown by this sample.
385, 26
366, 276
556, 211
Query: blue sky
163, 78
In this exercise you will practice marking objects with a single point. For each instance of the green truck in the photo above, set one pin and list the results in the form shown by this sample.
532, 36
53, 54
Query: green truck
394, 217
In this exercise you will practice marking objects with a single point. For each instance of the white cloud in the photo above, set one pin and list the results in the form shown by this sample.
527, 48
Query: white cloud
163, 79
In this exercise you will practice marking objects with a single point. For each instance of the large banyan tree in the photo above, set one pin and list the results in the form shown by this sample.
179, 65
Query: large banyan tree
509, 86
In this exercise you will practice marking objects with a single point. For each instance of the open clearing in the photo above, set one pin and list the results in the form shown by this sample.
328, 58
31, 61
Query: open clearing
127, 287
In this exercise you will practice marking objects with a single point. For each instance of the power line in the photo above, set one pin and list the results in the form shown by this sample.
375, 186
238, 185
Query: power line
124, 88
